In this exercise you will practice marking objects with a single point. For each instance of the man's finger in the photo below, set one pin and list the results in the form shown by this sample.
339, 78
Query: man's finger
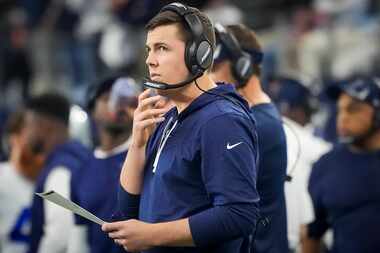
150, 113
150, 101
116, 235
145, 94
119, 242
112, 226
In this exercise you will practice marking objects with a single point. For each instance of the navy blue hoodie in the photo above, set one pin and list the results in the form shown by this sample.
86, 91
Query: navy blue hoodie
206, 171
70, 155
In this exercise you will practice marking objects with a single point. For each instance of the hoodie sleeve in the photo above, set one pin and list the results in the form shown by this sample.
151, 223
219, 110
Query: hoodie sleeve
228, 153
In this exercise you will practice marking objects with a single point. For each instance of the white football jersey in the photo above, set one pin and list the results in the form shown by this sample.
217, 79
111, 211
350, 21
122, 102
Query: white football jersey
15, 213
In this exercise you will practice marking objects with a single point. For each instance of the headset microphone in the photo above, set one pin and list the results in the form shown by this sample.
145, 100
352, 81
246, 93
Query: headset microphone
164, 86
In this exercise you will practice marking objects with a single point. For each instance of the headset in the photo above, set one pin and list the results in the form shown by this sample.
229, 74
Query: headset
376, 105
376, 120
242, 62
198, 51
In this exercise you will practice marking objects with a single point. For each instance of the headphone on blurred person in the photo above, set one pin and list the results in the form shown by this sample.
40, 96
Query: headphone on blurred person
376, 120
242, 62
198, 51
376, 105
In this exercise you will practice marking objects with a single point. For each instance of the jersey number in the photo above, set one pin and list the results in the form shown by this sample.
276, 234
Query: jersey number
21, 230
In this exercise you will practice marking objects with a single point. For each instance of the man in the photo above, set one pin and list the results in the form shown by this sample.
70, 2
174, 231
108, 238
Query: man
95, 188
294, 99
304, 148
239, 63
16, 188
46, 133
191, 181
344, 182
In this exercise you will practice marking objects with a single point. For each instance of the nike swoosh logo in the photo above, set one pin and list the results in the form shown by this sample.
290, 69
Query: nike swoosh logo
234, 145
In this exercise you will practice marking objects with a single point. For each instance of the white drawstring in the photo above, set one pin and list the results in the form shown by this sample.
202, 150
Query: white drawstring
164, 138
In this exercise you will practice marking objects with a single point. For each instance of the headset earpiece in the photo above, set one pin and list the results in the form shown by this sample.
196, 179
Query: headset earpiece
376, 120
199, 51
243, 69
241, 62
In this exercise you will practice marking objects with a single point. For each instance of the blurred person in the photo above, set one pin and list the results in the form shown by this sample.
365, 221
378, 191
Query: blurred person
96, 187
3, 147
344, 182
120, 45
238, 62
15, 53
344, 40
46, 133
16, 189
191, 180
58, 54
223, 12
294, 100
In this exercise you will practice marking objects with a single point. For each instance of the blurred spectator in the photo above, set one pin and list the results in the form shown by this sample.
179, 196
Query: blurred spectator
120, 46
344, 42
59, 55
15, 64
223, 12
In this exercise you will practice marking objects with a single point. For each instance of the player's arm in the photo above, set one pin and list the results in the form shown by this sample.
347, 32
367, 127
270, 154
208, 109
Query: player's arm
57, 219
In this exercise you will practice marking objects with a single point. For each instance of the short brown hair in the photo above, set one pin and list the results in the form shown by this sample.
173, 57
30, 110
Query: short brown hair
248, 41
170, 17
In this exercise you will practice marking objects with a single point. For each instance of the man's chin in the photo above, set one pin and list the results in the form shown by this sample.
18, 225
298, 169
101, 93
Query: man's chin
164, 93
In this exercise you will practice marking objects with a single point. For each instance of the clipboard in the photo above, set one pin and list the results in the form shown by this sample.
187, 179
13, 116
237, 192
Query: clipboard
58, 199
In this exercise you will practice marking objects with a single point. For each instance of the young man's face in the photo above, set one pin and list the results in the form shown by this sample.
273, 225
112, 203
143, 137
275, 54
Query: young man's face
354, 117
166, 55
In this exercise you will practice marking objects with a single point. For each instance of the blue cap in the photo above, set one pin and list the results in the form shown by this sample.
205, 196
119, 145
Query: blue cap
95, 91
364, 89
292, 93
129, 88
